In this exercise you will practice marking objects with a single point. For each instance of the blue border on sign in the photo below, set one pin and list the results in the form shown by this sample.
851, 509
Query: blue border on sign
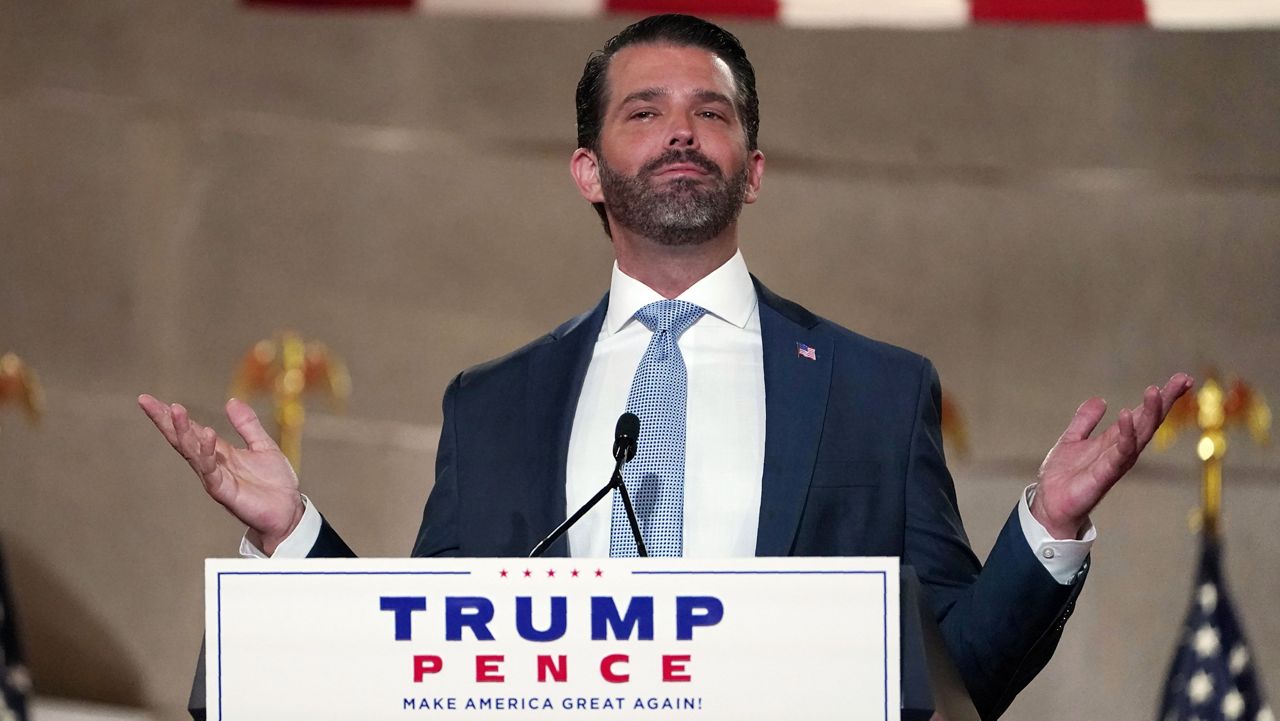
884, 602
304, 573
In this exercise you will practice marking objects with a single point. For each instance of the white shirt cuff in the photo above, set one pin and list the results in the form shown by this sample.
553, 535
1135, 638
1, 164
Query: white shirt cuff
297, 544
1064, 560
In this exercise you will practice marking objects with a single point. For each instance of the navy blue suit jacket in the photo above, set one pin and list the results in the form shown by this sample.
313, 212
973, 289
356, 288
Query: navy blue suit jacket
853, 466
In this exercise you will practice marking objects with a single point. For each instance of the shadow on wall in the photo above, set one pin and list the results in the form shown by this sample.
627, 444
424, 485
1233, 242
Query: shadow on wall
57, 627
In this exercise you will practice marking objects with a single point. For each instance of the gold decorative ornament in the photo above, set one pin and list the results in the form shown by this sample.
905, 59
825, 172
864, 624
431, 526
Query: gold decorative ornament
286, 367
20, 385
1213, 410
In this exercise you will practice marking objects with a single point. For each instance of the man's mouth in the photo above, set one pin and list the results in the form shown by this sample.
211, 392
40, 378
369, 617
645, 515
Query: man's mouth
680, 169
687, 164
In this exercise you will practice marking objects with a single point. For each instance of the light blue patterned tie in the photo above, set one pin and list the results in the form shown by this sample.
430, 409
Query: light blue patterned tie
655, 477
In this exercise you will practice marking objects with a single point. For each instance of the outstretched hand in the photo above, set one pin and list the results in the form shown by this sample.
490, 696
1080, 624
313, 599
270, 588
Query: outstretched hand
255, 483
1079, 470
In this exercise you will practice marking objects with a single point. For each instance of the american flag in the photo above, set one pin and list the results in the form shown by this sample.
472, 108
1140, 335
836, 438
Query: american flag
1167, 14
1212, 676
805, 351
14, 681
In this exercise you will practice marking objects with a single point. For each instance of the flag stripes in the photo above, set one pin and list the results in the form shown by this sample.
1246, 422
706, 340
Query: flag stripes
907, 14
1060, 11
711, 8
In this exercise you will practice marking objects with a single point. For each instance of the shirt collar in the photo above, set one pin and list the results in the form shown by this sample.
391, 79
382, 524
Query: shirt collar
726, 292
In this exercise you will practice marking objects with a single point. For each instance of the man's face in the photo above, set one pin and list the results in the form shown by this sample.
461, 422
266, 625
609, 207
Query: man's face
673, 164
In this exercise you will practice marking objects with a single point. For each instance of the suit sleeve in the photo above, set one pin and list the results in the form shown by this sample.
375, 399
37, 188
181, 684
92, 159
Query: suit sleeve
1000, 620
438, 534
329, 544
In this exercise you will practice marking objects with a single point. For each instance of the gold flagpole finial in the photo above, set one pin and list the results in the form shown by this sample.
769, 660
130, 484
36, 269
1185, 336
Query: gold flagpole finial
20, 385
286, 367
1213, 410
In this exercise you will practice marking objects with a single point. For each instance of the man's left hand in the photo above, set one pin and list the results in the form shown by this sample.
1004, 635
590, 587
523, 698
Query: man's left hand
1079, 470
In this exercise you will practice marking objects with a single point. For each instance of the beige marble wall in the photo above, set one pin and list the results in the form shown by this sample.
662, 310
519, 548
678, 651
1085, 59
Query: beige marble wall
1048, 213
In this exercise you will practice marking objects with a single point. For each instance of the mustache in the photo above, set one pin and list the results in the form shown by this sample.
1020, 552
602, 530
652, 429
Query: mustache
675, 155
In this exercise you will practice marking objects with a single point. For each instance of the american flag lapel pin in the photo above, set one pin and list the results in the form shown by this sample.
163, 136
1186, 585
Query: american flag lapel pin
805, 351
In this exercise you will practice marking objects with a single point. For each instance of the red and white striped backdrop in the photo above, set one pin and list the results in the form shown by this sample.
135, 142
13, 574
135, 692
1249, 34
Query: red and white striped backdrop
1169, 14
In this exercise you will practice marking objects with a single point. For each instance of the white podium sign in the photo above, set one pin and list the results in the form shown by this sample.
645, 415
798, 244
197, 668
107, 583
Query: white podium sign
552, 638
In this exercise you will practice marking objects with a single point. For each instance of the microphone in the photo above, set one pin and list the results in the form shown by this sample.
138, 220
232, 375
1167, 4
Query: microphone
625, 435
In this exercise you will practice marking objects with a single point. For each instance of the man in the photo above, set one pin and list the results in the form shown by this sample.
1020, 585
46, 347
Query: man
764, 429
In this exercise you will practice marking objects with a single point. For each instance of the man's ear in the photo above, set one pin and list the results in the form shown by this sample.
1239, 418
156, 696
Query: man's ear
585, 170
755, 174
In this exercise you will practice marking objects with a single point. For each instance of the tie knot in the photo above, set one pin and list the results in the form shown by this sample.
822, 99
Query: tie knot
674, 316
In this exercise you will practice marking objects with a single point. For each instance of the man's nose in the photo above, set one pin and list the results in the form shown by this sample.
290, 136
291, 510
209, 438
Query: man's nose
682, 135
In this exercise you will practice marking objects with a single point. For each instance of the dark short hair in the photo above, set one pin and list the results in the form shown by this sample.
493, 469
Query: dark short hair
681, 30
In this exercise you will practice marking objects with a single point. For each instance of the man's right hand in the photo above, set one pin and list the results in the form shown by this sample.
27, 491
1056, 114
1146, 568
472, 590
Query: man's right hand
255, 483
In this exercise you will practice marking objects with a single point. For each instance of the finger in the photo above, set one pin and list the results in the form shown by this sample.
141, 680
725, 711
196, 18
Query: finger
159, 414
1171, 391
246, 423
150, 403
208, 442
1156, 403
1128, 442
199, 447
1120, 457
215, 476
1085, 420
188, 437
1174, 389
1147, 416
206, 463
181, 421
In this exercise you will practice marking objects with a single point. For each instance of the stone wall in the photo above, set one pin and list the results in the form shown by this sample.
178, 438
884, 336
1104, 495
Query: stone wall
1048, 213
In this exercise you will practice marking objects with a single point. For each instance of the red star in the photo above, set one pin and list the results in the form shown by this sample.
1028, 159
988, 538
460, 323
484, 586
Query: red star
575, 573
599, 573
551, 573
503, 573
527, 573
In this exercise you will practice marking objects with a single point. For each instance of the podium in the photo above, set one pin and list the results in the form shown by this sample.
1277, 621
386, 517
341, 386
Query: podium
573, 638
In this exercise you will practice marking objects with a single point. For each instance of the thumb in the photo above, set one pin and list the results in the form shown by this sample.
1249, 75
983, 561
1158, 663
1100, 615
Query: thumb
246, 423
1085, 419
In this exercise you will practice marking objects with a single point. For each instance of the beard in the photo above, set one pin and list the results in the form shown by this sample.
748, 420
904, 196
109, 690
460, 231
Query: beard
682, 211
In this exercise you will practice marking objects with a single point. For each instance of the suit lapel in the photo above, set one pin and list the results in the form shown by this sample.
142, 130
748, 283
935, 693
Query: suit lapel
556, 372
795, 393
796, 390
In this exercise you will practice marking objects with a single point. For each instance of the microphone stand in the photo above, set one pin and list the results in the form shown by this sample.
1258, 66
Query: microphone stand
615, 482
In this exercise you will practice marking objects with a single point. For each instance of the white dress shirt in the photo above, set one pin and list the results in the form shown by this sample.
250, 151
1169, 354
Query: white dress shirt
724, 452
724, 413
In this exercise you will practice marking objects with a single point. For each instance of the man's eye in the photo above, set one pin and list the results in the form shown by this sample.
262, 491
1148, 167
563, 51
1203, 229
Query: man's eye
712, 115
642, 114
